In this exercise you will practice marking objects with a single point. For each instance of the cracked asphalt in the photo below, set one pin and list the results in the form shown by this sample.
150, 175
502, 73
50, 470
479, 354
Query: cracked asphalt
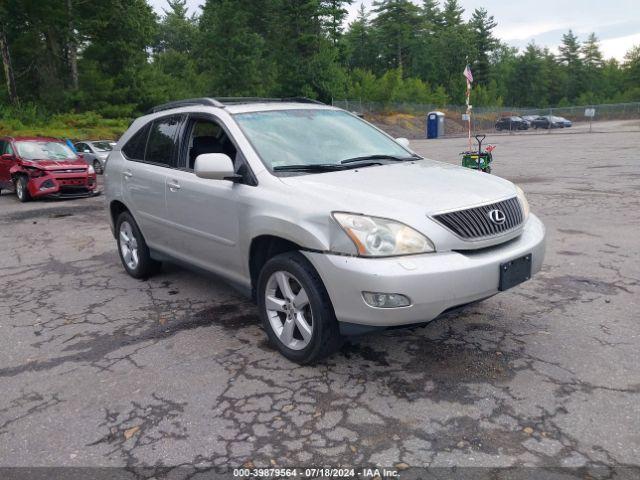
99, 369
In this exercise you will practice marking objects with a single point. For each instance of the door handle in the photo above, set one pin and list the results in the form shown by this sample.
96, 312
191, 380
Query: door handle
173, 185
127, 174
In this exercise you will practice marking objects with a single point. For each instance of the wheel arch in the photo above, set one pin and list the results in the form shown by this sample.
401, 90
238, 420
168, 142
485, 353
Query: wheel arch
116, 207
264, 247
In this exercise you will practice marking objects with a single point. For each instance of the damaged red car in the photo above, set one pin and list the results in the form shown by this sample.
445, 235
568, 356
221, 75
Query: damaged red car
37, 167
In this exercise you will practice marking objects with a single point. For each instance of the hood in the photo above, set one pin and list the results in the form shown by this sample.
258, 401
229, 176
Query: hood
55, 164
431, 186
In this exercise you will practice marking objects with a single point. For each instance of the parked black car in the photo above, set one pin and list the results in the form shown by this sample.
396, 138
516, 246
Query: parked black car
548, 121
512, 123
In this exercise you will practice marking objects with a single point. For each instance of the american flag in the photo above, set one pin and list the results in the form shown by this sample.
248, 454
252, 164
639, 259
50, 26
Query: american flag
467, 74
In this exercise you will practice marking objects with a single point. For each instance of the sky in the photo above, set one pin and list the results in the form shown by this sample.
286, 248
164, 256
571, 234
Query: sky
615, 22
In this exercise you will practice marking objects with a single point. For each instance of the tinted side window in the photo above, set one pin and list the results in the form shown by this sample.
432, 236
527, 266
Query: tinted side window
2, 146
162, 140
134, 148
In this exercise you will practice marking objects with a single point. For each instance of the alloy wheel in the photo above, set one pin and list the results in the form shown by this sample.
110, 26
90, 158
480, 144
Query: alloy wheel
19, 189
288, 310
129, 246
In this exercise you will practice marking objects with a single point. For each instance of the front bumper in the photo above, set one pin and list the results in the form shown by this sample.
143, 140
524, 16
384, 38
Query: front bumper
70, 185
434, 282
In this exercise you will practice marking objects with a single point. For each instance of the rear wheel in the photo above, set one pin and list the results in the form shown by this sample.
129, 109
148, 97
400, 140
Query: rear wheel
295, 309
22, 189
133, 250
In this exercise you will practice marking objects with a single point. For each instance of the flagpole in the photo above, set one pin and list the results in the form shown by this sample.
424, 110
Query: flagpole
469, 112
469, 77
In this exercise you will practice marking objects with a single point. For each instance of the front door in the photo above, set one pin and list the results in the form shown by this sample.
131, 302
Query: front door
6, 164
205, 213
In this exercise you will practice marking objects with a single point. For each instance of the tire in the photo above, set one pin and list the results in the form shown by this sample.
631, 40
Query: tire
488, 169
132, 248
22, 190
97, 166
322, 337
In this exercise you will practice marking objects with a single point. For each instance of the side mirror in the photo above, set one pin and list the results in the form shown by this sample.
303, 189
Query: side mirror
403, 141
215, 166
7, 157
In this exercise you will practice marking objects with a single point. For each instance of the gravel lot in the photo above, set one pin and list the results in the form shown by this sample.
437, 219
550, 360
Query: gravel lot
99, 369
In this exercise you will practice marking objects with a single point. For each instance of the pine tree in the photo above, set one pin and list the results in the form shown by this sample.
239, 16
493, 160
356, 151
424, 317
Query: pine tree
360, 51
231, 54
591, 54
176, 30
395, 26
333, 13
432, 16
484, 43
570, 57
452, 13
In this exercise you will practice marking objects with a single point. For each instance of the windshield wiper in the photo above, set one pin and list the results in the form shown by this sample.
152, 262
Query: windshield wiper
311, 167
379, 157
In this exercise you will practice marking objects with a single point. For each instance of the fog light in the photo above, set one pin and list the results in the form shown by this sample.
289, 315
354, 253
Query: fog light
46, 185
385, 300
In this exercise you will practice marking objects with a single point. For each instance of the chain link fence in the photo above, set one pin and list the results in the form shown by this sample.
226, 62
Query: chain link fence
409, 119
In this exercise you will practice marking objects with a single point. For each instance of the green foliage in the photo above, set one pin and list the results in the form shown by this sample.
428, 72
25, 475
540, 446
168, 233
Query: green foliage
31, 120
117, 58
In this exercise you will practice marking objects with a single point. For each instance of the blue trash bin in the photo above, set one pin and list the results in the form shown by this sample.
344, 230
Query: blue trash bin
435, 124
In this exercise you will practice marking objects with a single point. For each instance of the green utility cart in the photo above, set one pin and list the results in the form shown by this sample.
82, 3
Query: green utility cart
479, 160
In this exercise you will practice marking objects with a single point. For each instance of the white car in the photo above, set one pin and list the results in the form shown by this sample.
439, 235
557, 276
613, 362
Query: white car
95, 152
332, 226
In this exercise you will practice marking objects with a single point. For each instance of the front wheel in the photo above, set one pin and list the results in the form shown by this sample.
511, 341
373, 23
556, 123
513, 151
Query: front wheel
22, 189
133, 250
296, 310
97, 166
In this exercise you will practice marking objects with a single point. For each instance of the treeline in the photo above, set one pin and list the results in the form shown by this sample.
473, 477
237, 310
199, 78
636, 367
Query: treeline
117, 57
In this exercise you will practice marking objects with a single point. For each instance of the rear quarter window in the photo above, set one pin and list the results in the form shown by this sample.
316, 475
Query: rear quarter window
135, 147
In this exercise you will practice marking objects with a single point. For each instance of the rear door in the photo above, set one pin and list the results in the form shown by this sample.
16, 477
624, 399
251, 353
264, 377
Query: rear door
150, 156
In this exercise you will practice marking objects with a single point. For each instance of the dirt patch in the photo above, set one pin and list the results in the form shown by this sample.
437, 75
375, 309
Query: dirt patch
228, 315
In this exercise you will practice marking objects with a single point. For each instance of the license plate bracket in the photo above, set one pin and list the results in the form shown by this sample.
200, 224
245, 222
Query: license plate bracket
514, 272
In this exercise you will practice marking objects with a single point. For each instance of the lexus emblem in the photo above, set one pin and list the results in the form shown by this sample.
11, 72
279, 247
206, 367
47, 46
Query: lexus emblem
497, 216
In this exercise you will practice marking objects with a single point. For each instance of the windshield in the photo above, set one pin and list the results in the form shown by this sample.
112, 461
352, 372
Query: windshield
34, 150
102, 146
310, 137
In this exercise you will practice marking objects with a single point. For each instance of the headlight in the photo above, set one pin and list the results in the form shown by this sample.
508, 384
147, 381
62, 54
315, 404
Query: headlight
91, 170
523, 203
381, 237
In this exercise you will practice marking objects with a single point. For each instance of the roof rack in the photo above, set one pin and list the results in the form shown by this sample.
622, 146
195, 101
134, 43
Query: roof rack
221, 102
241, 100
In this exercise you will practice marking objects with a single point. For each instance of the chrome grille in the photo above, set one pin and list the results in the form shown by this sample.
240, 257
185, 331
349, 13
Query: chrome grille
475, 223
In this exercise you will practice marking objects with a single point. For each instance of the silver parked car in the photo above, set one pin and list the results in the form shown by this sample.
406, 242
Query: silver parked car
95, 152
331, 225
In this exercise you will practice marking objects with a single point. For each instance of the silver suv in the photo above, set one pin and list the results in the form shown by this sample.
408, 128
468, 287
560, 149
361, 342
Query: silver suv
333, 227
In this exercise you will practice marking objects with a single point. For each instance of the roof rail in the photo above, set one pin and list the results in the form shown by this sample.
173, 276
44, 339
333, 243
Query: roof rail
237, 100
211, 102
221, 102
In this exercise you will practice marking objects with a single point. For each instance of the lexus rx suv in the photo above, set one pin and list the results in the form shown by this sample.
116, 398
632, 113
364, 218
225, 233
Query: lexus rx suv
44, 167
332, 226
